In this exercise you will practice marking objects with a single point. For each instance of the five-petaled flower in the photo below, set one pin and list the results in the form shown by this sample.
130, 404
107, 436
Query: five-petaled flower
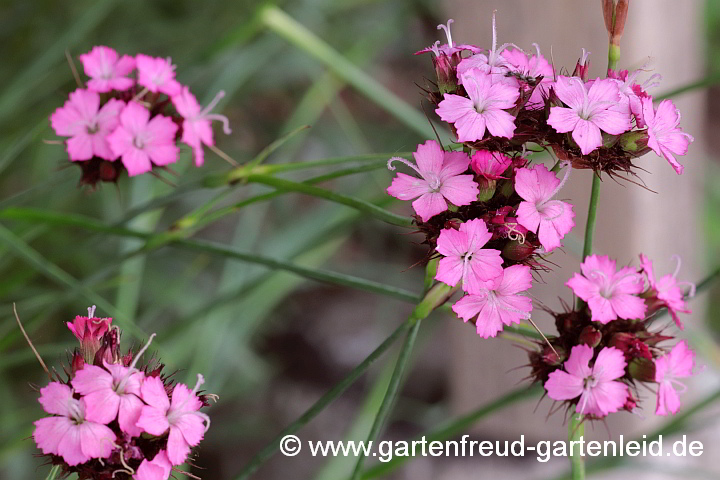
665, 137
107, 71
500, 303
442, 180
597, 386
157, 75
588, 111
610, 294
666, 291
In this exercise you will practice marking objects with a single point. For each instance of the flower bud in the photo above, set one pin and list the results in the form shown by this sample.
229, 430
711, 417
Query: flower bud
553, 357
642, 369
77, 363
634, 142
446, 72
590, 336
630, 345
486, 187
516, 251
108, 351
89, 331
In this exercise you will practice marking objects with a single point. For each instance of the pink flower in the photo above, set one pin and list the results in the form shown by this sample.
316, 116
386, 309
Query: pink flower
465, 259
500, 303
550, 219
89, 331
664, 136
88, 125
158, 468
113, 392
679, 363
157, 75
666, 291
441, 180
599, 393
490, 165
69, 433
187, 425
197, 129
631, 94
140, 140
106, 71
494, 62
489, 96
609, 294
588, 111
533, 66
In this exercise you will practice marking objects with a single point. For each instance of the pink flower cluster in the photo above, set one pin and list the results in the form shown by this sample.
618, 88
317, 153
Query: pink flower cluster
118, 117
113, 419
619, 337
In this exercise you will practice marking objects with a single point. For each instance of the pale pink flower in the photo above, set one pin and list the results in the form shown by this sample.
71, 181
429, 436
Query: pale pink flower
533, 66
140, 140
158, 468
631, 93
490, 165
157, 75
112, 392
500, 303
197, 128
588, 111
609, 294
107, 71
87, 125
69, 433
664, 136
187, 425
493, 63
489, 96
679, 363
464, 258
442, 180
666, 291
450, 48
599, 392
539, 213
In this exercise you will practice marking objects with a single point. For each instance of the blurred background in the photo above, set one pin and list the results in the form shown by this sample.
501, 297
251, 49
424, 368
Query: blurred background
270, 343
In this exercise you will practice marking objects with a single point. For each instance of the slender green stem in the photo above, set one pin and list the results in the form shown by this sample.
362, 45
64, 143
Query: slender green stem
590, 226
54, 472
576, 432
320, 405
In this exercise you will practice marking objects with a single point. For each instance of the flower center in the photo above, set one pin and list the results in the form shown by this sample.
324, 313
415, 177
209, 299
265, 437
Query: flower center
590, 382
77, 413
433, 181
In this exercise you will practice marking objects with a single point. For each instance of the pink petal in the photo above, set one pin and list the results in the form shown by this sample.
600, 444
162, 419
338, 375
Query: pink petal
582, 287
570, 91
516, 278
587, 135
136, 162
500, 123
406, 187
429, 205
177, 448
429, 157
454, 163
80, 147
609, 365
470, 127
96, 441
50, 432
608, 397
55, 398
129, 413
71, 446
101, 406
668, 401
450, 270
158, 468
469, 306
153, 420
562, 386
628, 306
578, 362
460, 190
452, 242
563, 119
477, 234
601, 309
454, 107
192, 428
154, 394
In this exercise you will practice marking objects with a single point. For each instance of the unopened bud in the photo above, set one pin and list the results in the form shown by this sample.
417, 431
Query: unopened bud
516, 251
642, 369
590, 336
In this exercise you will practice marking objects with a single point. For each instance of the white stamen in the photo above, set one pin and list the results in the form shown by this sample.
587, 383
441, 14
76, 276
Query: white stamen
447, 32
205, 113
140, 353
91, 312
403, 161
584, 58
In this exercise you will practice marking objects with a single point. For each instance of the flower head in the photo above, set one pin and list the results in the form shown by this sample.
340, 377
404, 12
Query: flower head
500, 303
539, 213
107, 71
485, 109
679, 363
140, 140
597, 386
588, 111
665, 137
610, 294
666, 291
197, 129
187, 426
442, 180
464, 258
68, 433
490, 165
157, 75
87, 124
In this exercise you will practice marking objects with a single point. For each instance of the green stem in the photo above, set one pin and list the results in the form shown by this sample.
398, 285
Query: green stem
576, 431
54, 473
590, 225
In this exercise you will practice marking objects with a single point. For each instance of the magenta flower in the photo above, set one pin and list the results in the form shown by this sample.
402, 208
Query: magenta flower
539, 213
666, 291
664, 136
490, 165
599, 392
187, 425
197, 129
609, 294
489, 96
500, 303
157, 75
107, 71
465, 259
158, 468
533, 66
140, 139
588, 111
679, 363
69, 433
87, 125
441, 180
89, 331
